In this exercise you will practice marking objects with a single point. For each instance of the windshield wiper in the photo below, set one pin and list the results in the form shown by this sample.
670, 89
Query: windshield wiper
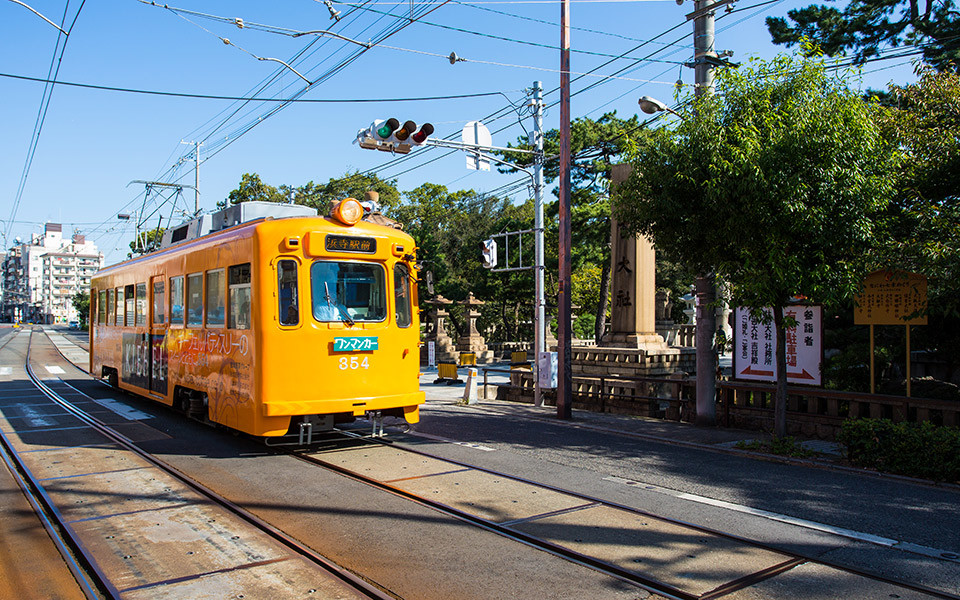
330, 302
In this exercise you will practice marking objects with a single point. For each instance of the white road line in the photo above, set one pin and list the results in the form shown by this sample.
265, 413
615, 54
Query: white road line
839, 531
449, 441
34, 418
6, 370
54, 370
127, 412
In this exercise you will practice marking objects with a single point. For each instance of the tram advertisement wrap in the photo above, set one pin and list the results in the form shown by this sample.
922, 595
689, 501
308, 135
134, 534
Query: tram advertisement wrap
136, 360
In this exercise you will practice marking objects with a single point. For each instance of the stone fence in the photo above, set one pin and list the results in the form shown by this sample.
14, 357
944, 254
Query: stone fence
811, 412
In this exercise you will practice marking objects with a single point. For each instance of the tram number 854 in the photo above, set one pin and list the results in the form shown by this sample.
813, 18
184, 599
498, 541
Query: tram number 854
352, 363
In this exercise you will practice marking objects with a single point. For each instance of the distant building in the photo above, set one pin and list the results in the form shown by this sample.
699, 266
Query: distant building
40, 278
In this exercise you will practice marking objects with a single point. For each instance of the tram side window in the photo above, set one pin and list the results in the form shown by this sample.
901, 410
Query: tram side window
141, 304
287, 288
159, 302
102, 307
401, 292
130, 305
111, 307
239, 282
195, 299
216, 298
119, 312
176, 300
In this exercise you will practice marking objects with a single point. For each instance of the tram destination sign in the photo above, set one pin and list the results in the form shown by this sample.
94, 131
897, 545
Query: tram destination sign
355, 344
350, 243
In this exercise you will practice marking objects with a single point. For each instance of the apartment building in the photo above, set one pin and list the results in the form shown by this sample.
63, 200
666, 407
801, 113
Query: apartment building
40, 278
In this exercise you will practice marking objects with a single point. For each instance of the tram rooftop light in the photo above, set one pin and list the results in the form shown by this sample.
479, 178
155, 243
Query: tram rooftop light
348, 211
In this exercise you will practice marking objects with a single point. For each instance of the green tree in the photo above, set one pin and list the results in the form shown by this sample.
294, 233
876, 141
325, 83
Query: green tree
775, 185
252, 188
81, 302
865, 27
449, 228
147, 241
924, 223
351, 185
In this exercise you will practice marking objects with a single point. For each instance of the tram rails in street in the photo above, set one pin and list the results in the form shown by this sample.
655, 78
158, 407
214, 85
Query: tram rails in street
407, 472
581, 529
107, 496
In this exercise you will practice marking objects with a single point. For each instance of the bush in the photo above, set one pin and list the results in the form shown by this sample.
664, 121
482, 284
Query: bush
914, 449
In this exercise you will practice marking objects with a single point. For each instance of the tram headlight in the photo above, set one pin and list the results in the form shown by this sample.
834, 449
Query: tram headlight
348, 211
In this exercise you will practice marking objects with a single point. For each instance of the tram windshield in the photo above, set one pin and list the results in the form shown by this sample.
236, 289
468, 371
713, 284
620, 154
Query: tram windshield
348, 292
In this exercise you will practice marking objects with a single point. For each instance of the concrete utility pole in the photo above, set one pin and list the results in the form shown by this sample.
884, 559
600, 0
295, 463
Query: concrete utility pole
564, 354
704, 59
539, 319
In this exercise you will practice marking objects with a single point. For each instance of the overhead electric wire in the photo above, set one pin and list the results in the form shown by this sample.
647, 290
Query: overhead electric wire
42, 113
248, 98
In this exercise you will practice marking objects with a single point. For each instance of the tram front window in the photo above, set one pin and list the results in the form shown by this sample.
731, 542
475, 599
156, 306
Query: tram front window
348, 292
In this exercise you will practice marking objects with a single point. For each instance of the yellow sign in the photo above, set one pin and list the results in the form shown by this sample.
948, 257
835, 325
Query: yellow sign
889, 297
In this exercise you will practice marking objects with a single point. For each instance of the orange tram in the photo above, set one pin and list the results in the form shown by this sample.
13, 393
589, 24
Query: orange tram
270, 326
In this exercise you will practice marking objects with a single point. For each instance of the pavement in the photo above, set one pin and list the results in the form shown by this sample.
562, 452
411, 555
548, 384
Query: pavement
718, 438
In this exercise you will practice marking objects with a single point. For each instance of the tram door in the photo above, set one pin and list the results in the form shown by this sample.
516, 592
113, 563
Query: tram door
157, 355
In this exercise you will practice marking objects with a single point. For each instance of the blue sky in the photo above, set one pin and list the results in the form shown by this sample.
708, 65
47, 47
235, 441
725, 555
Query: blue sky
93, 143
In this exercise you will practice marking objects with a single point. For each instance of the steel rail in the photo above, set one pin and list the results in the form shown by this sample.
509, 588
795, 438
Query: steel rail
88, 577
646, 583
348, 577
794, 558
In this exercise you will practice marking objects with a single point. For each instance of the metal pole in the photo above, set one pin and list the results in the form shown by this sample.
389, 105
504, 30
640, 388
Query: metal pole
564, 357
196, 178
703, 41
539, 317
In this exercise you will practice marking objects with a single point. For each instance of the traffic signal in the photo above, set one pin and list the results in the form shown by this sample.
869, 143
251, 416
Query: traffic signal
391, 136
489, 253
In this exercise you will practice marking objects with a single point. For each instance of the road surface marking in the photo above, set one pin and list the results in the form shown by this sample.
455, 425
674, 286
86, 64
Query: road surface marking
839, 531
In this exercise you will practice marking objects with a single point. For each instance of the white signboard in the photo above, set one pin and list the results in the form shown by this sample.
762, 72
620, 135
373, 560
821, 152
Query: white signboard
755, 346
476, 134
431, 354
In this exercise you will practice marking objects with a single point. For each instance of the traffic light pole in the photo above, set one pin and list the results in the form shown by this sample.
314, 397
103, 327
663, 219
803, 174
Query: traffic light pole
539, 317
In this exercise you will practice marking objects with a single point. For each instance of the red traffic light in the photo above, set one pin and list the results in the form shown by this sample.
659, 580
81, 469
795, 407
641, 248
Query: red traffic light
422, 135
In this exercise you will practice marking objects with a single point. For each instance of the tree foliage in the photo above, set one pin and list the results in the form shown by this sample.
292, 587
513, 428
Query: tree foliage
774, 184
865, 27
924, 223
81, 302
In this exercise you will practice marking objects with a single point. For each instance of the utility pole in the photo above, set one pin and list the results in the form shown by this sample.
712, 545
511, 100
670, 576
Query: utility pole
539, 318
564, 354
705, 58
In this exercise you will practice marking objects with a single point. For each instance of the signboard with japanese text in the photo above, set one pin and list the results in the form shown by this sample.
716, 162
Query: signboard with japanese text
755, 345
889, 297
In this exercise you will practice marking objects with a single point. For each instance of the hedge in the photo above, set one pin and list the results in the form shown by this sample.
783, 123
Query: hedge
915, 449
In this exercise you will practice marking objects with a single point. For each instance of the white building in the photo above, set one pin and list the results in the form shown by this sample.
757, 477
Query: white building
42, 277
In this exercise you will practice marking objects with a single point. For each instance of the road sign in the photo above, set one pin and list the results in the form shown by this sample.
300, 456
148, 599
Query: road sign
476, 134
755, 344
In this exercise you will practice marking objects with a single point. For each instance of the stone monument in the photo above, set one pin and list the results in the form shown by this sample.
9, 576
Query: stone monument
472, 341
436, 332
632, 347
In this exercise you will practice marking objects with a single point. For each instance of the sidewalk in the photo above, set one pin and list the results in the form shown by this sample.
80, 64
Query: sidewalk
716, 438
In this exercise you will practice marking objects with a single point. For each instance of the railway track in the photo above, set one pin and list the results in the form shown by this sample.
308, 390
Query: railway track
668, 558
578, 527
129, 526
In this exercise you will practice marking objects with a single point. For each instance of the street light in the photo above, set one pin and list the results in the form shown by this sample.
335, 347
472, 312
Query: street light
706, 322
652, 106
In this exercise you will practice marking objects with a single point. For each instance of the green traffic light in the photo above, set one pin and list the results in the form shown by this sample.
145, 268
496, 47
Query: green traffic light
388, 127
